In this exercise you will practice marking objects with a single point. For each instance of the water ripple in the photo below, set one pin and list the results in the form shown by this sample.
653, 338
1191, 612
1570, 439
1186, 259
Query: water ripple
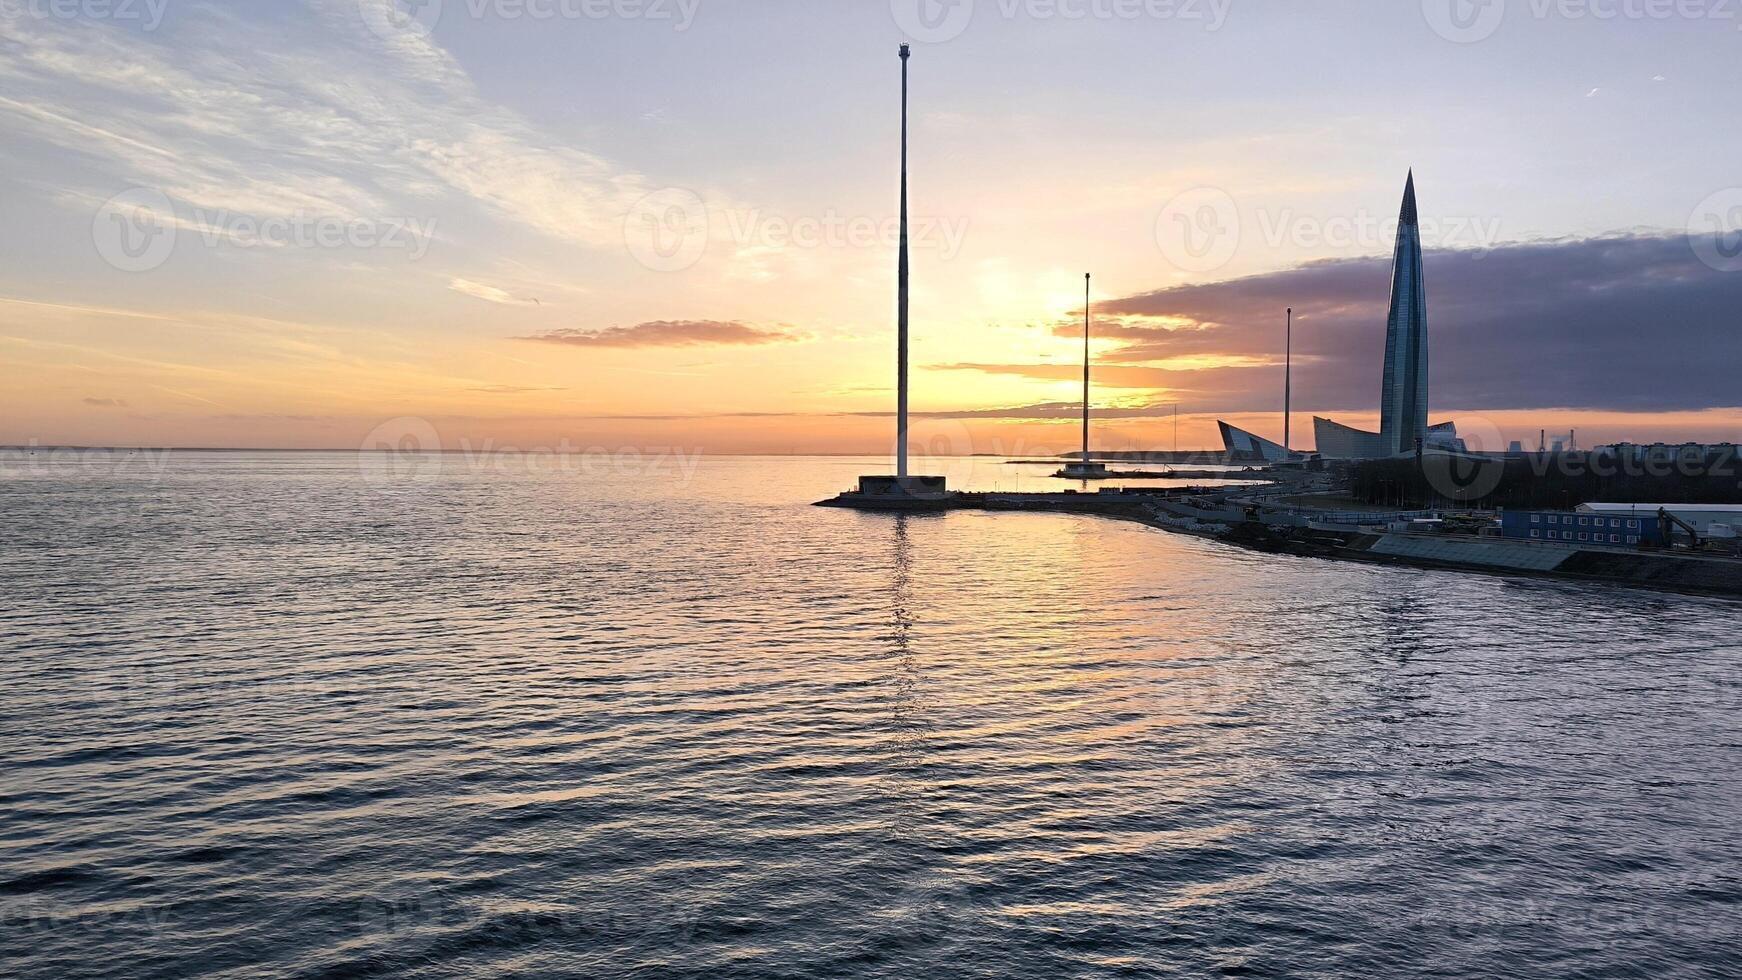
275, 715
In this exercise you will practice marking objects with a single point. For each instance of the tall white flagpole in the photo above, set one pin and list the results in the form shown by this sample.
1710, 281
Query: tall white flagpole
901, 294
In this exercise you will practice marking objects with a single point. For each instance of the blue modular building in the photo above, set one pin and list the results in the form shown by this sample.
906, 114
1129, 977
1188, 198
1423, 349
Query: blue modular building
1567, 527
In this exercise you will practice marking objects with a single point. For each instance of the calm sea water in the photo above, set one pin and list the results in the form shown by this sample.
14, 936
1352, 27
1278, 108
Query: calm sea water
290, 715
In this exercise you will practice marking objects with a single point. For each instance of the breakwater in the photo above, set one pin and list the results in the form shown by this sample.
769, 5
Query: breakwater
1331, 535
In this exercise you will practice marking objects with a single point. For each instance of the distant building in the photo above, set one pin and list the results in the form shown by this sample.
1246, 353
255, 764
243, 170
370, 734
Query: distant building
1701, 516
1338, 441
1659, 452
1244, 447
1575, 528
1403, 398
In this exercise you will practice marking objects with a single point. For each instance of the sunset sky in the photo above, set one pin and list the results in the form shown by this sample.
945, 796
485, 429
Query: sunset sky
549, 223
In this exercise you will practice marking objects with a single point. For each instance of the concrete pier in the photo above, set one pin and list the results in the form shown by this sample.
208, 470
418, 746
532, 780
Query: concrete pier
1249, 523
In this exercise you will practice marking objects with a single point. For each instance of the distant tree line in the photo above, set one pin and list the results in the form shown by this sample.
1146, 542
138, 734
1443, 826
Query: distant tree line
1552, 481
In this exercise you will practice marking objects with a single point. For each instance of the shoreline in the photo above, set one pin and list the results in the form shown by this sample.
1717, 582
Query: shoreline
1655, 571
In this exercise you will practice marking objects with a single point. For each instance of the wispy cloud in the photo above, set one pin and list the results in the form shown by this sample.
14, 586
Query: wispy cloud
321, 116
106, 402
491, 294
322, 421
513, 389
672, 333
76, 308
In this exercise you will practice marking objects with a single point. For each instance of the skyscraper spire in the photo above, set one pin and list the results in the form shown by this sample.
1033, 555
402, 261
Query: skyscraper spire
1403, 403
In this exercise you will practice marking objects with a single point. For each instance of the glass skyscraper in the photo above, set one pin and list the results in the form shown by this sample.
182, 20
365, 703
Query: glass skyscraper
1403, 399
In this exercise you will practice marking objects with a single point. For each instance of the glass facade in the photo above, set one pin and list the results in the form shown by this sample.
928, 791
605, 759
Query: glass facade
1337, 441
1243, 446
1403, 396
1403, 404
1572, 527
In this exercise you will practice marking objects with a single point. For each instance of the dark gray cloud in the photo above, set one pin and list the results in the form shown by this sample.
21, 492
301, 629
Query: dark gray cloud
671, 333
1622, 323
